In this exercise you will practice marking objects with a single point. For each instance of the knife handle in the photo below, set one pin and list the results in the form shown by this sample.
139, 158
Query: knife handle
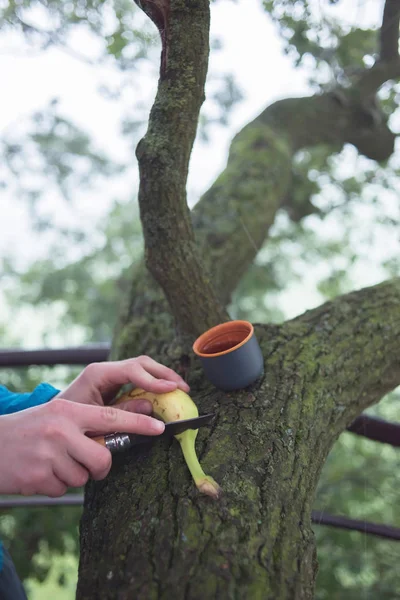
114, 442
100, 439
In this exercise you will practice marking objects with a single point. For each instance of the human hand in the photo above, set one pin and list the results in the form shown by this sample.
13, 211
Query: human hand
45, 449
99, 382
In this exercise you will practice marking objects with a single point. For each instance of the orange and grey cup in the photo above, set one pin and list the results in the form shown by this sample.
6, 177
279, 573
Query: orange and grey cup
230, 355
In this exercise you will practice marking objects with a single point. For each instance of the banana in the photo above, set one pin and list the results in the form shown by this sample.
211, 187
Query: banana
177, 406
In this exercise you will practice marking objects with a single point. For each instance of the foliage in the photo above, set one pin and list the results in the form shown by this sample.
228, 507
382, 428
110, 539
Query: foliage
50, 157
118, 28
321, 33
33, 536
360, 479
60, 583
86, 289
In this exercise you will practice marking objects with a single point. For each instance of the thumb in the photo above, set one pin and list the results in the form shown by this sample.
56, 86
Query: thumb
141, 406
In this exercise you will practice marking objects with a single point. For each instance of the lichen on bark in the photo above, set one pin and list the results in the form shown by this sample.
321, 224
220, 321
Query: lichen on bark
163, 154
146, 532
266, 449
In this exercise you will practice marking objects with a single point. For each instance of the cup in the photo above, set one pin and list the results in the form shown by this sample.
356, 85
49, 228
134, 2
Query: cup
230, 355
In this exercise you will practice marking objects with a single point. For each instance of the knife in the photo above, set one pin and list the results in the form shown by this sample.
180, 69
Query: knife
119, 442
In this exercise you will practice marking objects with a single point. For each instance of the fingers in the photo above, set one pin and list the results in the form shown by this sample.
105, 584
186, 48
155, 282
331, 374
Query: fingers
152, 376
141, 406
107, 419
53, 487
69, 471
142, 371
92, 456
164, 375
42, 480
142, 378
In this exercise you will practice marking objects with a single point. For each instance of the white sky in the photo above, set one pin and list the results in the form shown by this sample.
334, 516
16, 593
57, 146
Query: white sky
252, 51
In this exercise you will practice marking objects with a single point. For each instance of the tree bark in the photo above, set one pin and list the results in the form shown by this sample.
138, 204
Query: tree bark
163, 154
146, 533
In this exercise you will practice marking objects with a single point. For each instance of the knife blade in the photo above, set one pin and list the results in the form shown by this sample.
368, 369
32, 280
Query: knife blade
119, 442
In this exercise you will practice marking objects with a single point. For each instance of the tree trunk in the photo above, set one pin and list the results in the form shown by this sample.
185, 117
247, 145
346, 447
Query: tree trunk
147, 533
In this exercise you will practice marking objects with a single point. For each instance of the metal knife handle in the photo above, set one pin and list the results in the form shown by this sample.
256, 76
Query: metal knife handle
114, 442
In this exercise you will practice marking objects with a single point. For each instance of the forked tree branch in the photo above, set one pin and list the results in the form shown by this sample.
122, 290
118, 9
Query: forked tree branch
365, 425
372, 79
233, 218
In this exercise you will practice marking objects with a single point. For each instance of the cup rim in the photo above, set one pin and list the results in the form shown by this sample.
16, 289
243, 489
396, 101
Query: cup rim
220, 329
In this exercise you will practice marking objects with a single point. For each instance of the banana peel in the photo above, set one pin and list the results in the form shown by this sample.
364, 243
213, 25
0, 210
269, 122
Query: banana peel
177, 406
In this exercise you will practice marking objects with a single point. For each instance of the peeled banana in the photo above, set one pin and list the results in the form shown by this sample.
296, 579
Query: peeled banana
177, 406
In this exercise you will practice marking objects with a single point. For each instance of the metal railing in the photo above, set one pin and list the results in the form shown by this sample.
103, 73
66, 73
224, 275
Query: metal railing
364, 425
318, 517
373, 428
80, 355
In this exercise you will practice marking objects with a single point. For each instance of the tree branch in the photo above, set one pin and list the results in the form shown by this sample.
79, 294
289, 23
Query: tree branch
372, 79
389, 34
352, 346
163, 154
388, 65
257, 180
233, 217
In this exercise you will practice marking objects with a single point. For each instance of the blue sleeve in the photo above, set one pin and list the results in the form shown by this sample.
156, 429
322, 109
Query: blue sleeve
11, 402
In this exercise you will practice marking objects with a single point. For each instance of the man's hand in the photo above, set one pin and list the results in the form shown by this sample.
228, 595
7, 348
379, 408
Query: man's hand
44, 449
99, 382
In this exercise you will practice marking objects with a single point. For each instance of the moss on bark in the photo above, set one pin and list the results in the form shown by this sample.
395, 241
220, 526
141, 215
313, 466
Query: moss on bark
146, 532
163, 154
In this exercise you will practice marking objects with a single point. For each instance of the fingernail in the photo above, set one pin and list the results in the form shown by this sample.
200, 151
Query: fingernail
157, 426
171, 384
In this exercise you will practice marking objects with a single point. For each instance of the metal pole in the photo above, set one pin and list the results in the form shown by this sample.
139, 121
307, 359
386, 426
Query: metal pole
376, 429
50, 357
364, 425
37, 501
384, 531
317, 517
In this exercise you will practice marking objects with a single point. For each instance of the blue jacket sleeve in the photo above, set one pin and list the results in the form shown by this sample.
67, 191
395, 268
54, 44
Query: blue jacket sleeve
11, 402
